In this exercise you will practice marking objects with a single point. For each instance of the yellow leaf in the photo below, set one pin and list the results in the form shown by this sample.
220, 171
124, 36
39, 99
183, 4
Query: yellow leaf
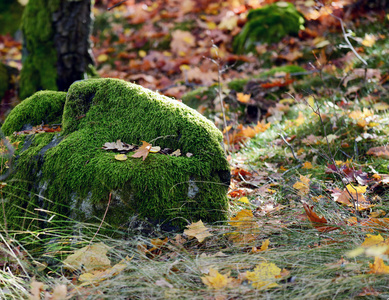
197, 230
372, 240
311, 102
356, 189
211, 25
307, 165
243, 219
98, 276
302, 186
378, 267
287, 101
215, 280
102, 58
265, 245
155, 149
244, 200
264, 276
300, 119
244, 98
121, 157
89, 258
369, 40
142, 53
381, 106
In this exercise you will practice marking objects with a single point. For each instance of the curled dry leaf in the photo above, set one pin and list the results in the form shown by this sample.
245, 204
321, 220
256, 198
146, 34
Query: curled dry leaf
118, 146
318, 222
176, 153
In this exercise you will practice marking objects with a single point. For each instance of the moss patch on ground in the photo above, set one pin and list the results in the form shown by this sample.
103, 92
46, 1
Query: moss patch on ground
70, 174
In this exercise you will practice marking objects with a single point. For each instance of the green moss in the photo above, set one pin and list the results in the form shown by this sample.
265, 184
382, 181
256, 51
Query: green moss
39, 67
43, 106
202, 95
269, 25
237, 84
78, 176
10, 15
4, 80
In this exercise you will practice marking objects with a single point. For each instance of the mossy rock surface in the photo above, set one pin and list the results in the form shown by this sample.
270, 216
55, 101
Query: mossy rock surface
70, 175
268, 25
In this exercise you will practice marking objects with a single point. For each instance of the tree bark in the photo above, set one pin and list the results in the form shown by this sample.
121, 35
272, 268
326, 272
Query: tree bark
57, 48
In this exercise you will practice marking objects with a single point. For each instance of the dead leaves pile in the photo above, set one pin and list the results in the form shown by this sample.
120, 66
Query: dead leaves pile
140, 152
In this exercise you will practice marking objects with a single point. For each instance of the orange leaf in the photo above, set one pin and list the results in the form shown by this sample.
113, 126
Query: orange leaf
317, 221
143, 151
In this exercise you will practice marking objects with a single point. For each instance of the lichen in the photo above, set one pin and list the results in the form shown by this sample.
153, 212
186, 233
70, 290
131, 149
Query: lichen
43, 106
39, 66
160, 188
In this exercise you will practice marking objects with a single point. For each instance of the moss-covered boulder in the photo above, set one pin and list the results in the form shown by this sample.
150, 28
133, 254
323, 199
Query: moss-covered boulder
268, 25
69, 173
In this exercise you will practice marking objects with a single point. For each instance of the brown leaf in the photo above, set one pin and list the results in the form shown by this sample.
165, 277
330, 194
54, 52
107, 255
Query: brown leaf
143, 151
317, 222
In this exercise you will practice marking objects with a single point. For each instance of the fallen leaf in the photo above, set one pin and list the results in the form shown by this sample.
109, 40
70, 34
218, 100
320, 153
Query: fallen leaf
378, 267
216, 281
118, 146
89, 258
120, 157
155, 149
382, 152
264, 276
143, 151
317, 222
244, 219
244, 98
36, 288
302, 186
176, 153
197, 230
265, 245
98, 276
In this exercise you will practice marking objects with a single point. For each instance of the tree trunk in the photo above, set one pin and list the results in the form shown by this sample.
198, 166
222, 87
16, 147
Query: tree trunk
56, 44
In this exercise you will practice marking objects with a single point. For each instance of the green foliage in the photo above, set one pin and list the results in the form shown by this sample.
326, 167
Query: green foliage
39, 68
75, 172
48, 110
268, 25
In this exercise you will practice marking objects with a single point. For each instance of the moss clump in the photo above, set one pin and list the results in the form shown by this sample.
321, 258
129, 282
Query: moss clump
77, 176
269, 25
39, 67
43, 106
4, 80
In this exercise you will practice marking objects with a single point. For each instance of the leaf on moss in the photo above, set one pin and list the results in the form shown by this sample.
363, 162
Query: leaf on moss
217, 281
264, 276
176, 153
118, 146
143, 151
155, 149
197, 230
120, 157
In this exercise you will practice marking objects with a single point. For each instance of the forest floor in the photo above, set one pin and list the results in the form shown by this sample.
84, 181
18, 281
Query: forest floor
305, 132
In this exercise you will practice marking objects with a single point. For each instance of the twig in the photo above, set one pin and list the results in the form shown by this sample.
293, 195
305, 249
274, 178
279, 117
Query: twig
117, 4
101, 223
291, 148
